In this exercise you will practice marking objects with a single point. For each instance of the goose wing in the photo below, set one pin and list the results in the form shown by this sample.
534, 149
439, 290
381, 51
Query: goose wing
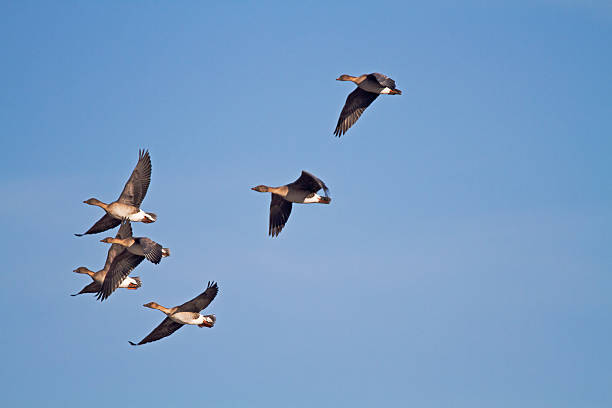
382, 79
310, 183
356, 103
200, 302
119, 269
152, 250
105, 223
136, 187
165, 328
93, 287
280, 210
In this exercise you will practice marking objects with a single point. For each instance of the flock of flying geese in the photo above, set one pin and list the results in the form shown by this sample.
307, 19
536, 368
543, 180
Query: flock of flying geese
127, 252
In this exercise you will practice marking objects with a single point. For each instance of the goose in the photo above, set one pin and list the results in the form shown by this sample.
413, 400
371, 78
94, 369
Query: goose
98, 277
369, 86
302, 191
136, 250
187, 313
127, 207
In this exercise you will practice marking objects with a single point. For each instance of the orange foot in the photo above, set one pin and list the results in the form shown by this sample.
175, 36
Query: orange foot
132, 286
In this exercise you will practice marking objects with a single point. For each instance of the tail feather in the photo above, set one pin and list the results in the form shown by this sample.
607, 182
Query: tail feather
138, 281
152, 217
165, 252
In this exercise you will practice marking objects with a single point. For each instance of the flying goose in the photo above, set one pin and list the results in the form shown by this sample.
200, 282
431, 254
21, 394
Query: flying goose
98, 277
136, 250
303, 191
369, 86
187, 313
127, 207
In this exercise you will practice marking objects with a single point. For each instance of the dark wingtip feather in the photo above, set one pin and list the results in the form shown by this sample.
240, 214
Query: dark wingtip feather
79, 235
133, 344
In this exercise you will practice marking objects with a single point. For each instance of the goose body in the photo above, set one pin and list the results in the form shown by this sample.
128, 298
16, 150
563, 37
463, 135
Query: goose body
369, 86
127, 206
98, 279
99, 276
304, 197
134, 251
195, 319
302, 191
123, 211
178, 316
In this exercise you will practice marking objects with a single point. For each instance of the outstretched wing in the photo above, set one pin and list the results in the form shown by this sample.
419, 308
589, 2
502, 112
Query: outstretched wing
152, 250
136, 187
105, 223
93, 287
165, 328
382, 79
280, 209
200, 302
309, 182
119, 269
356, 103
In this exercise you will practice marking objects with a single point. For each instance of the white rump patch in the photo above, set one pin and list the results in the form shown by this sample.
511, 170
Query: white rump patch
126, 282
386, 90
138, 217
314, 199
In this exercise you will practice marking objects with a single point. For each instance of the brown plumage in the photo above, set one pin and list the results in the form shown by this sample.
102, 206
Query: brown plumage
368, 88
128, 203
301, 191
136, 249
169, 326
114, 251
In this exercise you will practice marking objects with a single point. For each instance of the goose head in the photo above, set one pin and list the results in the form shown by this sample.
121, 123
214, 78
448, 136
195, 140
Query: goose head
261, 189
93, 201
82, 269
345, 77
151, 305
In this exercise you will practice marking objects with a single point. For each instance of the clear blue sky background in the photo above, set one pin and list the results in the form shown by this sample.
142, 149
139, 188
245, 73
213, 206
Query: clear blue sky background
465, 260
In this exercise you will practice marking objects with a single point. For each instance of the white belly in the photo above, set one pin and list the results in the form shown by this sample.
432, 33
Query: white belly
187, 318
138, 217
385, 90
314, 199
127, 281
302, 197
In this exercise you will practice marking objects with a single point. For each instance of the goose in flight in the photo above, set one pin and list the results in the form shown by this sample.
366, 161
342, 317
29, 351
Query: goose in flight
302, 191
136, 250
98, 277
369, 86
127, 207
187, 313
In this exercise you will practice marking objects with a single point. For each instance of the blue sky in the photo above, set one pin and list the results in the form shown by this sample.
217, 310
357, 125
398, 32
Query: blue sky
465, 258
